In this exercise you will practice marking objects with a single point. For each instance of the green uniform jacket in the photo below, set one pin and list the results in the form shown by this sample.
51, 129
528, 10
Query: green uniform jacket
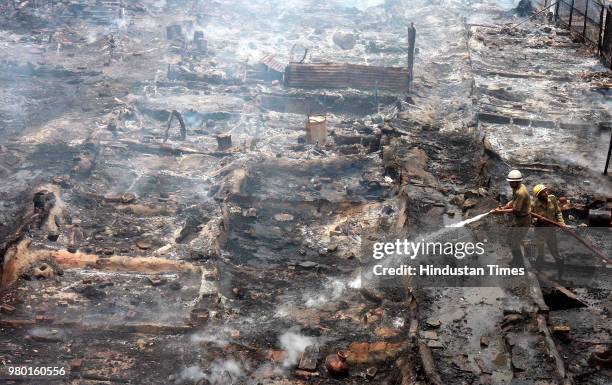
521, 206
552, 211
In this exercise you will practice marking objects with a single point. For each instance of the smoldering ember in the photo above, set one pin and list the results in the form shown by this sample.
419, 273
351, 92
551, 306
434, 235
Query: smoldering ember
190, 191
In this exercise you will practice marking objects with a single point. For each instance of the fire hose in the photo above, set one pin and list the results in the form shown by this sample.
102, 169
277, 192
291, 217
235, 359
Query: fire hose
575, 235
570, 232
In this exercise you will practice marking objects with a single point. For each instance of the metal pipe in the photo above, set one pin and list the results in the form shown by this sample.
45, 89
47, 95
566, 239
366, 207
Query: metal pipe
575, 235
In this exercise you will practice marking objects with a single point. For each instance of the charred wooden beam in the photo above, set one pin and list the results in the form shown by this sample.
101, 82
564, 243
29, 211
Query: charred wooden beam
535, 290
560, 372
411, 46
608, 157
429, 366
41, 213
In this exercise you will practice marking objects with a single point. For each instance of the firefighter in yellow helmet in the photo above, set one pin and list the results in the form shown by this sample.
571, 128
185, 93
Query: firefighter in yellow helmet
520, 207
546, 205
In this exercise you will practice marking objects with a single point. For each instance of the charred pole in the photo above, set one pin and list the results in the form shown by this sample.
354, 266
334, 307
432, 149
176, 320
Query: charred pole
608, 157
411, 44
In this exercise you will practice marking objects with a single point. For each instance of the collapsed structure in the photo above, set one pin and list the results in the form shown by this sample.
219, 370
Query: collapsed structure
190, 189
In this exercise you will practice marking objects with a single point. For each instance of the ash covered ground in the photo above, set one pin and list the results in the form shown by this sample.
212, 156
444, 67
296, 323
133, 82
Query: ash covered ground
169, 214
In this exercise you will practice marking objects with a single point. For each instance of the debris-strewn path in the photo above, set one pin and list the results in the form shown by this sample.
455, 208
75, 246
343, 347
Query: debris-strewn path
537, 113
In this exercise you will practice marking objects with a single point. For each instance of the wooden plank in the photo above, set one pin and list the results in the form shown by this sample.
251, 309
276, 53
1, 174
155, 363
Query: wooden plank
429, 366
552, 349
534, 289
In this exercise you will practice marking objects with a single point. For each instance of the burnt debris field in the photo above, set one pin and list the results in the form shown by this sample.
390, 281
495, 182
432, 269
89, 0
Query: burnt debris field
191, 191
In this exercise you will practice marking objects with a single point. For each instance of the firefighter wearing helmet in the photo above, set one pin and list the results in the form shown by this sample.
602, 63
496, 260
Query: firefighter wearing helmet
547, 206
520, 207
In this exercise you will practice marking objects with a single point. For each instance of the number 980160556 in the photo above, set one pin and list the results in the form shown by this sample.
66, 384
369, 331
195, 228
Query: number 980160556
29, 371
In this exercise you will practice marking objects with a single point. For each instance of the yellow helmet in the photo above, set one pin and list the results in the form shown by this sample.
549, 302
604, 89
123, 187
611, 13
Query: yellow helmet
538, 189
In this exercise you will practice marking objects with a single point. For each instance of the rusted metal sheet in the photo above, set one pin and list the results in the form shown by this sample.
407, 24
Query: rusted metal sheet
341, 75
273, 63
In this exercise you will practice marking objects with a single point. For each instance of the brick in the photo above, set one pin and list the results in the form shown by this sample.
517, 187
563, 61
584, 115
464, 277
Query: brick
561, 329
484, 341
76, 364
430, 335
41, 319
277, 356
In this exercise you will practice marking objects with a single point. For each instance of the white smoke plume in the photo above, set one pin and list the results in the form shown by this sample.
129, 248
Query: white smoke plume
191, 373
222, 372
294, 344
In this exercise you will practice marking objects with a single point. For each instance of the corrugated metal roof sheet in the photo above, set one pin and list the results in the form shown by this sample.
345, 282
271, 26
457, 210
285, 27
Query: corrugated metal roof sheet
340, 75
273, 63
